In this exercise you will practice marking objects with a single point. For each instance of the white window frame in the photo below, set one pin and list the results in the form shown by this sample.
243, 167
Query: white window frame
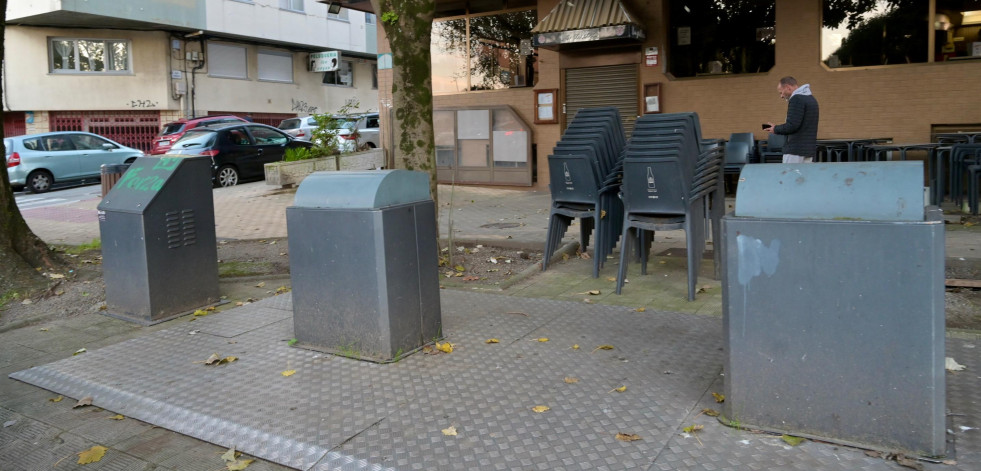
75, 51
291, 5
338, 71
273, 63
212, 61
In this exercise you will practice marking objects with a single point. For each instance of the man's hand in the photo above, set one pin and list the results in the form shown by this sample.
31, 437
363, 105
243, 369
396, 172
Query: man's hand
768, 128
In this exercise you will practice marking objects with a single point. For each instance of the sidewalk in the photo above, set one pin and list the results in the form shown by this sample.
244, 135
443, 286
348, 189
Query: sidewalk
337, 413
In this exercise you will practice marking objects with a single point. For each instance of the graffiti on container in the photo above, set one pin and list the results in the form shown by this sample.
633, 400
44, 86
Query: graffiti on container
303, 107
159, 173
142, 104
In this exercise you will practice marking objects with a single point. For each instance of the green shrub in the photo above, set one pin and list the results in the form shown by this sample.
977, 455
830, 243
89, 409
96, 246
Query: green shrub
297, 153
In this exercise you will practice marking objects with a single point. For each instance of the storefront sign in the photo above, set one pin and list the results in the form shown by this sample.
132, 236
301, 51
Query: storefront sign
650, 57
324, 61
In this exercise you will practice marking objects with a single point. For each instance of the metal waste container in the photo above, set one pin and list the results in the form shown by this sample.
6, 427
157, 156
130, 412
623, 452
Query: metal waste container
110, 174
833, 305
159, 254
364, 263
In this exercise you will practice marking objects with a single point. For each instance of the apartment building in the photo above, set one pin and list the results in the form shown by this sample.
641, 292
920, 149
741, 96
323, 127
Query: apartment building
122, 69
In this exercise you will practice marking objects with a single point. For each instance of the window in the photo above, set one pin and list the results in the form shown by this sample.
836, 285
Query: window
957, 25
267, 137
227, 61
482, 52
374, 76
739, 39
86, 142
292, 5
881, 33
340, 15
89, 56
275, 66
344, 75
369, 18
59, 142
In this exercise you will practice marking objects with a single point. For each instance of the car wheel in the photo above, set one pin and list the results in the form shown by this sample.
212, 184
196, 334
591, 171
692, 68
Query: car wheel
226, 176
39, 181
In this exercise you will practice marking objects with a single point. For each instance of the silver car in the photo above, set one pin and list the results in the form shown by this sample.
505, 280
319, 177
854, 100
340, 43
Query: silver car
358, 132
300, 128
38, 161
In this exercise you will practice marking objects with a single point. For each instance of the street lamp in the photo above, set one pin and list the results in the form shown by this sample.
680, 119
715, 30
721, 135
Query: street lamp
333, 7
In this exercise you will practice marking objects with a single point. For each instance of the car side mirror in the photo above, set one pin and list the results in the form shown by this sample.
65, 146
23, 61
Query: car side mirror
108, 146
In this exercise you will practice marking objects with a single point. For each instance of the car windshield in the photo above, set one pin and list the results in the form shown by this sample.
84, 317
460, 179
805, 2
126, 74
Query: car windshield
347, 124
171, 128
290, 123
195, 140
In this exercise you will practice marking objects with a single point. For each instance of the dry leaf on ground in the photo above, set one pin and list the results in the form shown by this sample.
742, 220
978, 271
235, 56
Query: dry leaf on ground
952, 365
92, 455
79, 351
710, 412
628, 437
542, 339
640, 309
792, 440
692, 428
444, 347
117, 417
575, 347
230, 455
571, 380
540, 409
719, 397
492, 341
288, 373
604, 347
85, 401
56, 399
620, 389
239, 465
449, 431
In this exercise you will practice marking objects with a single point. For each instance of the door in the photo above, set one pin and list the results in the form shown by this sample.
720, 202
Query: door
93, 151
60, 157
612, 85
236, 148
270, 146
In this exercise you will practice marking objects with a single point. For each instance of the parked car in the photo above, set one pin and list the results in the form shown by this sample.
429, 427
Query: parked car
171, 132
300, 128
38, 161
237, 151
358, 132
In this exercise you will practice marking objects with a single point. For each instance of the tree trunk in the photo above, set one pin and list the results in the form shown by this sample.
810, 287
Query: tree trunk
20, 250
408, 25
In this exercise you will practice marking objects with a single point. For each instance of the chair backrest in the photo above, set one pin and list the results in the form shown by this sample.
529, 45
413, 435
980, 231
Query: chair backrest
653, 186
573, 179
775, 142
737, 152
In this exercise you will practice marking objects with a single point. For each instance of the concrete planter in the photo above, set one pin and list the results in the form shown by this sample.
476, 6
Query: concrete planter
292, 173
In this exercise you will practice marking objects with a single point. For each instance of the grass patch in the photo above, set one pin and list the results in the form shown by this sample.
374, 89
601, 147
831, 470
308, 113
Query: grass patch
96, 244
7, 297
234, 269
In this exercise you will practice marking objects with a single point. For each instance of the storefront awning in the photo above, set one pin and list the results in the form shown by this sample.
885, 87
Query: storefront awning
585, 21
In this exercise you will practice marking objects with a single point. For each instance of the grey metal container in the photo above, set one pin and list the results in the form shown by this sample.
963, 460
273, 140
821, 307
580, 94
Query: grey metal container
159, 254
364, 263
833, 305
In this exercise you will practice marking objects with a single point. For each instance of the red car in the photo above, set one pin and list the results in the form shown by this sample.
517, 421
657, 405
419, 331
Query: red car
171, 132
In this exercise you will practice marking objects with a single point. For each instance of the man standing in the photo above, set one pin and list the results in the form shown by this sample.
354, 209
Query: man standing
802, 122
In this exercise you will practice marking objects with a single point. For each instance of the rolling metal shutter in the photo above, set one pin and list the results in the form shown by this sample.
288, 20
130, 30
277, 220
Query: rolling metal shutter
614, 85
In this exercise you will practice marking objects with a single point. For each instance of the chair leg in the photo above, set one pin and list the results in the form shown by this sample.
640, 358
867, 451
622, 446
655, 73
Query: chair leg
598, 247
585, 228
974, 188
557, 227
644, 248
622, 269
692, 255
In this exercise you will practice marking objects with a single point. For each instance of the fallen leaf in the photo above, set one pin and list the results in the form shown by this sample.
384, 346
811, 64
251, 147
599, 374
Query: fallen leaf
459, 268
640, 309
542, 339
620, 389
710, 412
213, 359
444, 347
471, 278
968, 224
575, 347
908, 462
571, 380
92, 455
288, 373
79, 351
260, 284
492, 341
228, 359
539, 409
56, 276
239, 465
201, 312
611, 278
282, 289
628, 437
85, 401
43, 329
593, 292
602, 213
692, 428
272, 243
952, 365
449, 431
56, 399
230, 455
565, 256
27, 301
117, 417
239, 303
9, 423
792, 440
719, 397
603, 347
587, 301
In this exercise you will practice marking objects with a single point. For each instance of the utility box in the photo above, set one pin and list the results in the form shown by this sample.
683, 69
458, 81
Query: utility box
364, 263
833, 305
159, 254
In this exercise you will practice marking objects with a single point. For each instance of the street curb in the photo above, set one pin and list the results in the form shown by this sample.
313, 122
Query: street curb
514, 244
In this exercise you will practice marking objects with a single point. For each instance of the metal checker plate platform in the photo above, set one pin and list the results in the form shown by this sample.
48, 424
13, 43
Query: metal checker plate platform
341, 414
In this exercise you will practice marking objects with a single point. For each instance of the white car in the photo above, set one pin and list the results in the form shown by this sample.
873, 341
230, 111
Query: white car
359, 131
300, 128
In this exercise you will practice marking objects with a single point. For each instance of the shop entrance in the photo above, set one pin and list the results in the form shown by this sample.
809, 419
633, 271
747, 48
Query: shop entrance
612, 85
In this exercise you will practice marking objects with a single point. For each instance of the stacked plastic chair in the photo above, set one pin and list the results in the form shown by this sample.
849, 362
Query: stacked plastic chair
584, 169
670, 181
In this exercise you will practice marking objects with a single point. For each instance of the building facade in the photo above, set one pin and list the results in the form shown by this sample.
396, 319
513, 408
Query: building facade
122, 69
903, 69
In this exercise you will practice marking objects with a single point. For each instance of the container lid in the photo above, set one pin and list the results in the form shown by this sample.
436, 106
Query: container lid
370, 189
141, 183
873, 191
